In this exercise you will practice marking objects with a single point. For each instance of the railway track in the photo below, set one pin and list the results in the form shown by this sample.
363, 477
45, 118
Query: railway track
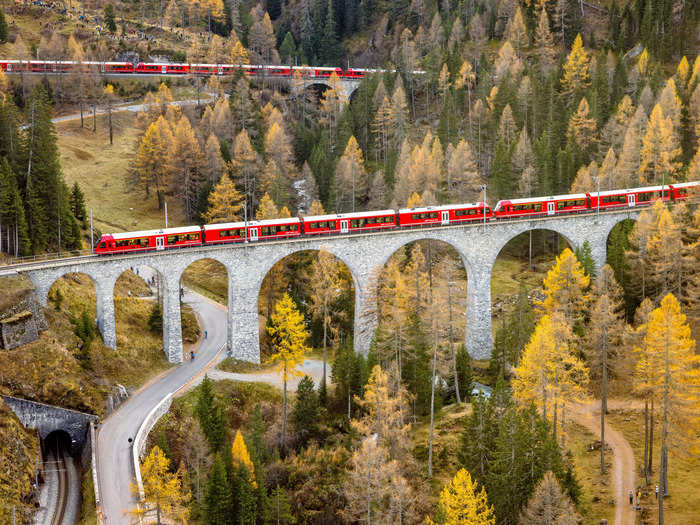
60, 467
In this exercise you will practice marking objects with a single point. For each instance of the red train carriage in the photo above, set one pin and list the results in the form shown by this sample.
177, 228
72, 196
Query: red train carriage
177, 69
349, 222
629, 198
223, 233
274, 229
536, 206
153, 69
149, 240
685, 191
443, 215
114, 67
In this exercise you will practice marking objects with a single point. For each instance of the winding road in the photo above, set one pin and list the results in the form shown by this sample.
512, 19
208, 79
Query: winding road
114, 465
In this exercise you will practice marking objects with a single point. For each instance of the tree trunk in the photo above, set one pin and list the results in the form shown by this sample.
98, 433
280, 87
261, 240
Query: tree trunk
603, 398
81, 113
651, 437
325, 333
646, 439
284, 408
432, 411
94, 118
109, 117
452, 345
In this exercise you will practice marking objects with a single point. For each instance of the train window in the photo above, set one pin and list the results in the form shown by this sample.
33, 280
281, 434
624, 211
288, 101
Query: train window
646, 196
621, 199
192, 236
526, 207
569, 204
172, 239
102, 245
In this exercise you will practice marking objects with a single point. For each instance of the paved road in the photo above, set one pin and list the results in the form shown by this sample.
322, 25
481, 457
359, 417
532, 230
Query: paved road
623, 471
114, 463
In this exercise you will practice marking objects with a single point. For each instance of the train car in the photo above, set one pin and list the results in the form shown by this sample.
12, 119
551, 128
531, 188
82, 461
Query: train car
277, 71
273, 229
149, 240
443, 215
356, 72
535, 206
349, 222
685, 191
153, 69
114, 67
629, 198
327, 72
224, 233
177, 69
50, 66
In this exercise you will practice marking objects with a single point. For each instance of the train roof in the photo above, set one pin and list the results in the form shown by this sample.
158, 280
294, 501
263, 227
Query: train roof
355, 215
442, 208
242, 224
685, 184
543, 199
149, 233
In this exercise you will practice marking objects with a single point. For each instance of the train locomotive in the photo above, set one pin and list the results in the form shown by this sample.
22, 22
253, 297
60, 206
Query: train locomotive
371, 221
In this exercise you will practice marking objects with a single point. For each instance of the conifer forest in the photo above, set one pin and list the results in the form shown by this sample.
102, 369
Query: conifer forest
588, 406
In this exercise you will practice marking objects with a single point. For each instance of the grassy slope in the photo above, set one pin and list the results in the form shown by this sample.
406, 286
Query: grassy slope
684, 471
209, 278
102, 172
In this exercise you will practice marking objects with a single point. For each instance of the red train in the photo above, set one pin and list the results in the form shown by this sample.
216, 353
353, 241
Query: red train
370, 221
146, 68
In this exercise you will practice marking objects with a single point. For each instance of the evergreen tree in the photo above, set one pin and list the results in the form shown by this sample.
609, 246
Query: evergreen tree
77, 203
110, 23
217, 502
3, 28
306, 410
210, 415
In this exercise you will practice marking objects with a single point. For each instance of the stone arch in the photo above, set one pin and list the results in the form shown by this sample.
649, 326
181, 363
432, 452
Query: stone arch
315, 247
511, 235
464, 314
133, 283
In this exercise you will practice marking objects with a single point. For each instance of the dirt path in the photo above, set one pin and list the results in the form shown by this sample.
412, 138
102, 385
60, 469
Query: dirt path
623, 470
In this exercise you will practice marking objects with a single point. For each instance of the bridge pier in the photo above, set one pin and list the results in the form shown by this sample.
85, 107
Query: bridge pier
243, 325
478, 335
172, 325
104, 291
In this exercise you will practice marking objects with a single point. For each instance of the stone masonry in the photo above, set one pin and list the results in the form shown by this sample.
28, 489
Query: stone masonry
47, 419
363, 254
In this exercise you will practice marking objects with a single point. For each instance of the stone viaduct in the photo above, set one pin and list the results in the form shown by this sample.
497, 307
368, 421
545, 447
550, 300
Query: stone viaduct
363, 254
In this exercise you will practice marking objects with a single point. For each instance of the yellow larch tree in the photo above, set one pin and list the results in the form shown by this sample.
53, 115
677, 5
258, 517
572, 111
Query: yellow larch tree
582, 127
516, 31
288, 335
393, 301
665, 256
608, 172
565, 288
187, 166
326, 287
461, 502
671, 352
463, 182
660, 149
549, 504
384, 404
671, 104
239, 55
576, 78
350, 182
644, 378
245, 166
214, 162
333, 101
316, 208
380, 128
278, 148
398, 116
507, 128
224, 203
544, 41
161, 488
241, 457
604, 338
550, 374
151, 163
266, 209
